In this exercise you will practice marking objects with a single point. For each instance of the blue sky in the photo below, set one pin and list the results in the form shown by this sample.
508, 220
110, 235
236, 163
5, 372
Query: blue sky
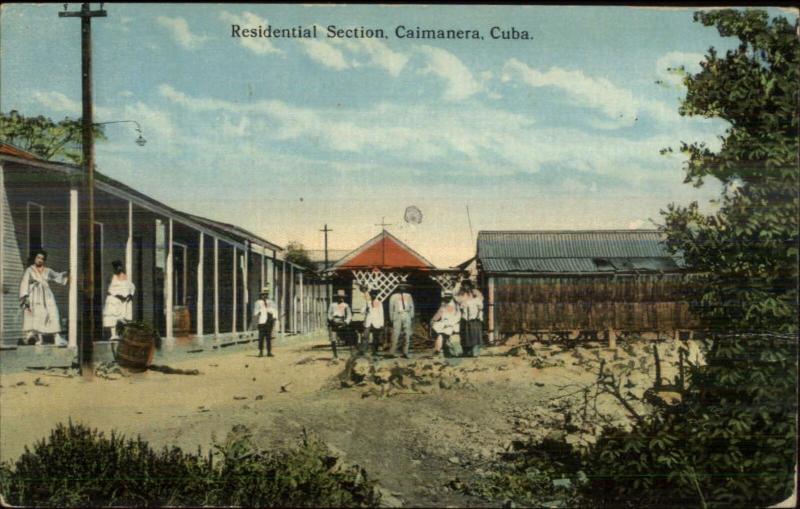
284, 135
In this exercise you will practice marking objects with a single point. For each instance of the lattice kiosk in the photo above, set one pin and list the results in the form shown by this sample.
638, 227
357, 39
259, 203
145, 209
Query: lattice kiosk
382, 263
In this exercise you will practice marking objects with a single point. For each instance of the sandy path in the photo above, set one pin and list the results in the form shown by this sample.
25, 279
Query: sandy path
413, 444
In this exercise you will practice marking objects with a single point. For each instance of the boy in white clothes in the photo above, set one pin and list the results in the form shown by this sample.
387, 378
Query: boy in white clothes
264, 314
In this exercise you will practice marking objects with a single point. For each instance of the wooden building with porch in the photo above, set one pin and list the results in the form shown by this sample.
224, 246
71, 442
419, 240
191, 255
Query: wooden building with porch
573, 284
195, 278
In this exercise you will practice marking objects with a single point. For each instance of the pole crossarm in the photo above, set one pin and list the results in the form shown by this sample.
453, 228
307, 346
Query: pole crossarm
85, 12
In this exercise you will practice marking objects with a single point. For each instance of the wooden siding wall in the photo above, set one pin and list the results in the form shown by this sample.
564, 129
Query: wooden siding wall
19, 187
12, 268
632, 303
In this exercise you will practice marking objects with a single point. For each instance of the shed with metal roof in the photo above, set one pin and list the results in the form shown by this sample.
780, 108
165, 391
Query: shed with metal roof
570, 281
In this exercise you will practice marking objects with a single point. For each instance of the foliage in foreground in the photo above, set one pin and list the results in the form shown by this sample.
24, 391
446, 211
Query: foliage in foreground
78, 466
731, 443
533, 474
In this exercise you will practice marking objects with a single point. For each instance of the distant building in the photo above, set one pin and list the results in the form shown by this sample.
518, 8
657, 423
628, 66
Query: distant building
317, 256
569, 282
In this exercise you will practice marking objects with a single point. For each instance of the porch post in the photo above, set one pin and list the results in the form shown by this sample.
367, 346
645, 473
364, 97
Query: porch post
292, 307
129, 244
216, 286
2, 252
200, 289
245, 284
72, 334
491, 310
302, 306
235, 273
169, 283
282, 307
262, 268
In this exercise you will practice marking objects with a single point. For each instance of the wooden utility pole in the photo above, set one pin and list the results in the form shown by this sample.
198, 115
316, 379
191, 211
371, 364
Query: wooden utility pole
89, 315
326, 230
329, 288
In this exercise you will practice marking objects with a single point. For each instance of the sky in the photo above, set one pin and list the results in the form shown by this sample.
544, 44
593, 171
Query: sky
284, 135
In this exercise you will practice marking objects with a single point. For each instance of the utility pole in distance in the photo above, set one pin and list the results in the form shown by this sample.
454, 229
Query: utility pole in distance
89, 315
326, 230
329, 292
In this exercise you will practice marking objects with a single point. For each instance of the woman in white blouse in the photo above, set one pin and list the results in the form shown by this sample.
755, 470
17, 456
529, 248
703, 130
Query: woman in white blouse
119, 302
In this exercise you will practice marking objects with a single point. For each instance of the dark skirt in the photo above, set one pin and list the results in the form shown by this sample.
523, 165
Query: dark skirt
471, 333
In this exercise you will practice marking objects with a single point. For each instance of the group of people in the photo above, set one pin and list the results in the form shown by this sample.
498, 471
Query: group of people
460, 313
40, 315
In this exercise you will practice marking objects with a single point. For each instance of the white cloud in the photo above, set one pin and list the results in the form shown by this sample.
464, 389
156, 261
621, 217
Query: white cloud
480, 140
673, 60
156, 124
235, 130
379, 54
258, 45
325, 54
56, 101
617, 104
461, 84
60, 103
595, 93
341, 54
179, 29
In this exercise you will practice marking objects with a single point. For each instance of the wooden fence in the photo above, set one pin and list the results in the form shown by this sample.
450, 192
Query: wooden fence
628, 302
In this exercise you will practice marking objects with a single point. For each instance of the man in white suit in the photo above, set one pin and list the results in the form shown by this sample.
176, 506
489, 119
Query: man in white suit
401, 311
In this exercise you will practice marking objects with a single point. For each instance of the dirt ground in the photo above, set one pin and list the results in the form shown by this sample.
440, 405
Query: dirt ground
414, 442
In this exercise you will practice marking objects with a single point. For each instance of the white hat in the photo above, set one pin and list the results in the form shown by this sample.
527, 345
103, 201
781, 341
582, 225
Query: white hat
447, 293
265, 290
340, 293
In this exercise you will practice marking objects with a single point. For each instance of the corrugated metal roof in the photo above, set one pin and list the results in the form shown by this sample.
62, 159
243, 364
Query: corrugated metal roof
571, 244
538, 265
575, 251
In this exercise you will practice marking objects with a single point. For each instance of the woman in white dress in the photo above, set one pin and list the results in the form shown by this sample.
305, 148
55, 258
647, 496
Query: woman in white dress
39, 309
445, 323
119, 302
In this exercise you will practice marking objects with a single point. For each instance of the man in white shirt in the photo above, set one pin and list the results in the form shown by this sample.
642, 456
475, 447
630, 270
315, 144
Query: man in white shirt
401, 311
264, 314
373, 324
470, 300
339, 317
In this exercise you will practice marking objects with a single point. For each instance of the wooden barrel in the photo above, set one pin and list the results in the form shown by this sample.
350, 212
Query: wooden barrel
136, 349
181, 321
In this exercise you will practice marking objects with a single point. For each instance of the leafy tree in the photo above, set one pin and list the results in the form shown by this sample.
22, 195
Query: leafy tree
296, 253
45, 138
732, 440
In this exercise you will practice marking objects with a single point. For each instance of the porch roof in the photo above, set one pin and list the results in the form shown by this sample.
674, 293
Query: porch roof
229, 233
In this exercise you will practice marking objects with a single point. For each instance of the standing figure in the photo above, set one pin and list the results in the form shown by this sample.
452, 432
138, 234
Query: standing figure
373, 324
401, 310
118, 308
39, 310
471, 302
445, 323
339, 317
265, 313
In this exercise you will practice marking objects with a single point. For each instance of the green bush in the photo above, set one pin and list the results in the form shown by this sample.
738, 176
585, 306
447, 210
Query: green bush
531, 474
77, 466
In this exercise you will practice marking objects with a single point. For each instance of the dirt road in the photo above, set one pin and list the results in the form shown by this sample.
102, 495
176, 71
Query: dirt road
413, 443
